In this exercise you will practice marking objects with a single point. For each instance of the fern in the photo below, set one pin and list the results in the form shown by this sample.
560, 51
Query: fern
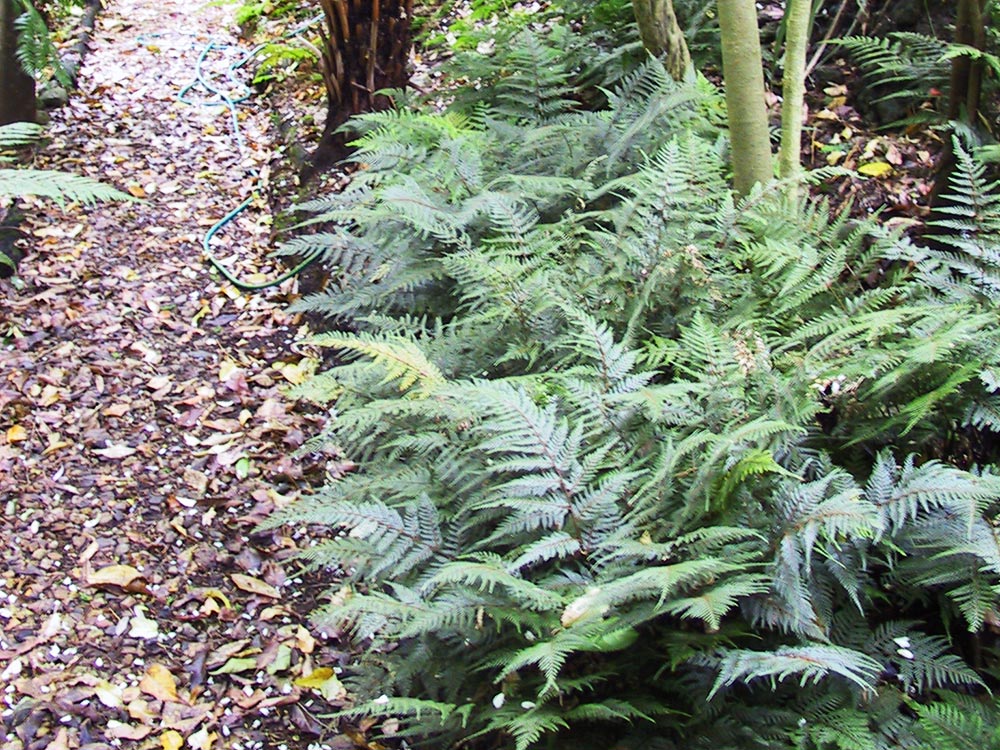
58, 186
36, 52
637, 465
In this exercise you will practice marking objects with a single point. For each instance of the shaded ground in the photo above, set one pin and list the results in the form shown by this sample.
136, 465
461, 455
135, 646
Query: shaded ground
143, 422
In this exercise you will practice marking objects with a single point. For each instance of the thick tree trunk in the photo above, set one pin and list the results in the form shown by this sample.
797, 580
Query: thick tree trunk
662, 35
793, 87
17, 88
366, 47
745, 101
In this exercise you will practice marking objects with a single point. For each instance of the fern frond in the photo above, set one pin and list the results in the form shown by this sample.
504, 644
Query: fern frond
59, 186
809, 663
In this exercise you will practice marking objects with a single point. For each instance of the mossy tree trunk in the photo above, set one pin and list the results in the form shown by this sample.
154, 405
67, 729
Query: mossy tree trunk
745, 101
17, 88
793, 86
366, 47
662, 36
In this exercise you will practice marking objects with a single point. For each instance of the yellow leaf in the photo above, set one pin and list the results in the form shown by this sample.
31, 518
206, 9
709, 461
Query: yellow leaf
16, 434
875, 169
212, 594
171, 740
159, 683
136, 191
325, 682
227, 369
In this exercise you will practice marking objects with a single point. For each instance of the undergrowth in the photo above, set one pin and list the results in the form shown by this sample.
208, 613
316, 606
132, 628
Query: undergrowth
639, 466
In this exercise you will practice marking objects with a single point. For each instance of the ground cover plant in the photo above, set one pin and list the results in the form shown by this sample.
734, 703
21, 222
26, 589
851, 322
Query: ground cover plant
639, 464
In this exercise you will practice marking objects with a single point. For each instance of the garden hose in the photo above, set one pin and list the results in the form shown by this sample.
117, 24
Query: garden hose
224, 98
210, 257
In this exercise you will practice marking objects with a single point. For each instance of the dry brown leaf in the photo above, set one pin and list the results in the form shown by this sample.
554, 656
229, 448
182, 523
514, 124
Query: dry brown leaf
119, 730
114, 575
117, 410
304, 640
255, 586
159, 683
115, 451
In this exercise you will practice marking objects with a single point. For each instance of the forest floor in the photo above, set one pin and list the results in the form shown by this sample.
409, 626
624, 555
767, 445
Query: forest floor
145, 427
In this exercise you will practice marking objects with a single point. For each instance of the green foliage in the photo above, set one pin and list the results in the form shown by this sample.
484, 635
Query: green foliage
912, 67
639, 466
36, 52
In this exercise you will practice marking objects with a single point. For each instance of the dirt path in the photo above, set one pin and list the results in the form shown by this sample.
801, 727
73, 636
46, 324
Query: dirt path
143, 426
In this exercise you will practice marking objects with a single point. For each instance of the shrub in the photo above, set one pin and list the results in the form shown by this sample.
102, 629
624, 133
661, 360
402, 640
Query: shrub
642, 467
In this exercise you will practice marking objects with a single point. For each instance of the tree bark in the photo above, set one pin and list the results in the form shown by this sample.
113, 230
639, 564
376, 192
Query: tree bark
965, 87
662, 36
366, 48
793, 87
17, 88
745, 101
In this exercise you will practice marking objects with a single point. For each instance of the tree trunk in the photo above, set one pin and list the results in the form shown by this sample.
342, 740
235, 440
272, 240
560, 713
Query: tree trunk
366, 47
17, 88
662, 35
794, 86
745, 102
965, 87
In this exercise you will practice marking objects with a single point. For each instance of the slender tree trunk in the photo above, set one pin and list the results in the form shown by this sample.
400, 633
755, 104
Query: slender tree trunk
794, 86
366, 48
662, 35
17, 88
745, 102
965, 85
966, 73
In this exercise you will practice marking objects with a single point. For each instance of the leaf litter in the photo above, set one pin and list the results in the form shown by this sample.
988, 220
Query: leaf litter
145, 431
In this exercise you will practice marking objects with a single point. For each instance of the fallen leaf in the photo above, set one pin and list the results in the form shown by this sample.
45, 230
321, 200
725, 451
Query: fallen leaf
875, 169
255, 586
202, 739
115, 451
16, 434
304, 640
228, 369
108, 694
139, 709
157, 382
325, 682
117, 410
159, 683
237, 665
119, 730
143, 627
171, 740
114, 575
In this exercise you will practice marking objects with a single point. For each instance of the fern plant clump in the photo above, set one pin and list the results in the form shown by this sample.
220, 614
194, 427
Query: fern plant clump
639, 466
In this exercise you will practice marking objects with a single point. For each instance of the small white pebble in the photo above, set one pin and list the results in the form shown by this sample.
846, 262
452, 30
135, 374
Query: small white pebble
498, 700
905, 653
